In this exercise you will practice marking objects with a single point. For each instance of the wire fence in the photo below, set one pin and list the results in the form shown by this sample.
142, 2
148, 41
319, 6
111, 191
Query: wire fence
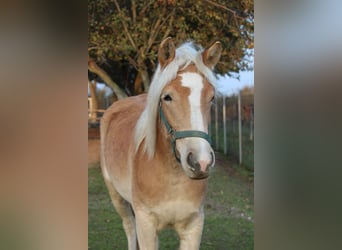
232, 128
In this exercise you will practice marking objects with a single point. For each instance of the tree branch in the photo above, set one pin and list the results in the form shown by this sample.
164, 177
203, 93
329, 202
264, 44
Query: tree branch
131, 61
134, 12
92, 48
170, 15
124, 24
225, 8
93, 67
168, 30
156, 29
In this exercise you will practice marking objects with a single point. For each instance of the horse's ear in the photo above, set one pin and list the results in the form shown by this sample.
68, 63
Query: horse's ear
212, 55
166, 52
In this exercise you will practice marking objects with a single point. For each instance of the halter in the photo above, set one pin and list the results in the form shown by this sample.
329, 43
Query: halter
180, 134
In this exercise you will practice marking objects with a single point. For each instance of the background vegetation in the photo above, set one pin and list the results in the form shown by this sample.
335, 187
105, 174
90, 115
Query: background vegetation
124, 36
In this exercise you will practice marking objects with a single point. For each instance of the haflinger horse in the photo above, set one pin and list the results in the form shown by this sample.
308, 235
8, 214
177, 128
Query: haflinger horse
155, 150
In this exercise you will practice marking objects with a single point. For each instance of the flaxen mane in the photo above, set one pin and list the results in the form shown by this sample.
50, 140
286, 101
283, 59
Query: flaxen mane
146, 126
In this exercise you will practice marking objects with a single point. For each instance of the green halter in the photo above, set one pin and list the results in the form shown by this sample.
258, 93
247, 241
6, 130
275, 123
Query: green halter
181, 134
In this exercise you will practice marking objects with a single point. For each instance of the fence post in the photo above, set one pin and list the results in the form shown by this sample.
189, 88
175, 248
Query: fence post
251, 133
240, 132
216, 127
224, 126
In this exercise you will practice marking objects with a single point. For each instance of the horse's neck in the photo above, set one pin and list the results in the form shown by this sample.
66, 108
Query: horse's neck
163, 140
164, 146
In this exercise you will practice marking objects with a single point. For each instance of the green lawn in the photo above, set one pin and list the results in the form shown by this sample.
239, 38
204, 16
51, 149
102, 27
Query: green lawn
228, 208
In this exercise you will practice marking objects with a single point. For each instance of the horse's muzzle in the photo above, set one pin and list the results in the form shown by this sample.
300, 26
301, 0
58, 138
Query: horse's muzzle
199, 168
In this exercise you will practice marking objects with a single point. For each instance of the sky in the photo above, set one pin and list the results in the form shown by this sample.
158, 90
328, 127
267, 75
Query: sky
230, 85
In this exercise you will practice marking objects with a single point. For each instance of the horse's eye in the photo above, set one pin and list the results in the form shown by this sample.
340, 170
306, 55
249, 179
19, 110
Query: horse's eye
212, 99
167, 98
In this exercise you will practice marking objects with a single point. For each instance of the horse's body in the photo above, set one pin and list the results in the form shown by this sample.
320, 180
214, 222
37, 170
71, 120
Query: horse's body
149, 187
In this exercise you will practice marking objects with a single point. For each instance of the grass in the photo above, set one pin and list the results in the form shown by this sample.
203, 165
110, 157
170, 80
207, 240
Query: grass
228, 208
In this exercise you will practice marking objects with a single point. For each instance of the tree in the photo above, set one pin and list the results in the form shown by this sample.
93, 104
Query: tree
93, 67
93, 102
130, 32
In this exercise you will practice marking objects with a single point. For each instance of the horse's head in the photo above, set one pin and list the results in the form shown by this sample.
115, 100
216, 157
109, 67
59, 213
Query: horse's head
185, 108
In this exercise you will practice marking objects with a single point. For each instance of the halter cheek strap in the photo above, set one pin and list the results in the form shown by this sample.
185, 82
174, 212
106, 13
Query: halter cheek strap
181, 134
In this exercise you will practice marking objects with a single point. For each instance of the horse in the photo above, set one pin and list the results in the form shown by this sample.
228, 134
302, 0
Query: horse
155, 149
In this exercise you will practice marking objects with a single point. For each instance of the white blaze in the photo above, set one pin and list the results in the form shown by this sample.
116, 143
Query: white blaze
195, 82
199, 146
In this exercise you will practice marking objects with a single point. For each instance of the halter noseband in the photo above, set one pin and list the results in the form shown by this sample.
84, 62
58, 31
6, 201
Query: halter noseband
180, 134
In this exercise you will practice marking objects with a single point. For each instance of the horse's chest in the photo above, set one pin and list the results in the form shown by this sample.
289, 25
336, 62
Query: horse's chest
170, 199
175, 211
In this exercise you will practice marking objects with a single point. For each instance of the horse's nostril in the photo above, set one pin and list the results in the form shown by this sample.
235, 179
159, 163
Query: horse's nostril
212, 159
190, 159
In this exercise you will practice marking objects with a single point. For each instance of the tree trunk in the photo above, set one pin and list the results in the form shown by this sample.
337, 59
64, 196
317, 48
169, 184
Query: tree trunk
138, 88
93, 102
145, 78
93, 67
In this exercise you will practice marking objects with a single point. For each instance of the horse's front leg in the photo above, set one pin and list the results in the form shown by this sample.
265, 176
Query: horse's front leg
146, 230
190, 232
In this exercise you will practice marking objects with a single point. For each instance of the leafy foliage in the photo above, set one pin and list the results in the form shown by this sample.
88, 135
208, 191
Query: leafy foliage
130, 32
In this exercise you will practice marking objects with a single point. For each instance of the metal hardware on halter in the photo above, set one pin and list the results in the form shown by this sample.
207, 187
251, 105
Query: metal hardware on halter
181, 134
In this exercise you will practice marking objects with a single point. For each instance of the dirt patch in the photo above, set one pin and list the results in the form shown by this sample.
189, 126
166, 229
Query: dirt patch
93, 152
